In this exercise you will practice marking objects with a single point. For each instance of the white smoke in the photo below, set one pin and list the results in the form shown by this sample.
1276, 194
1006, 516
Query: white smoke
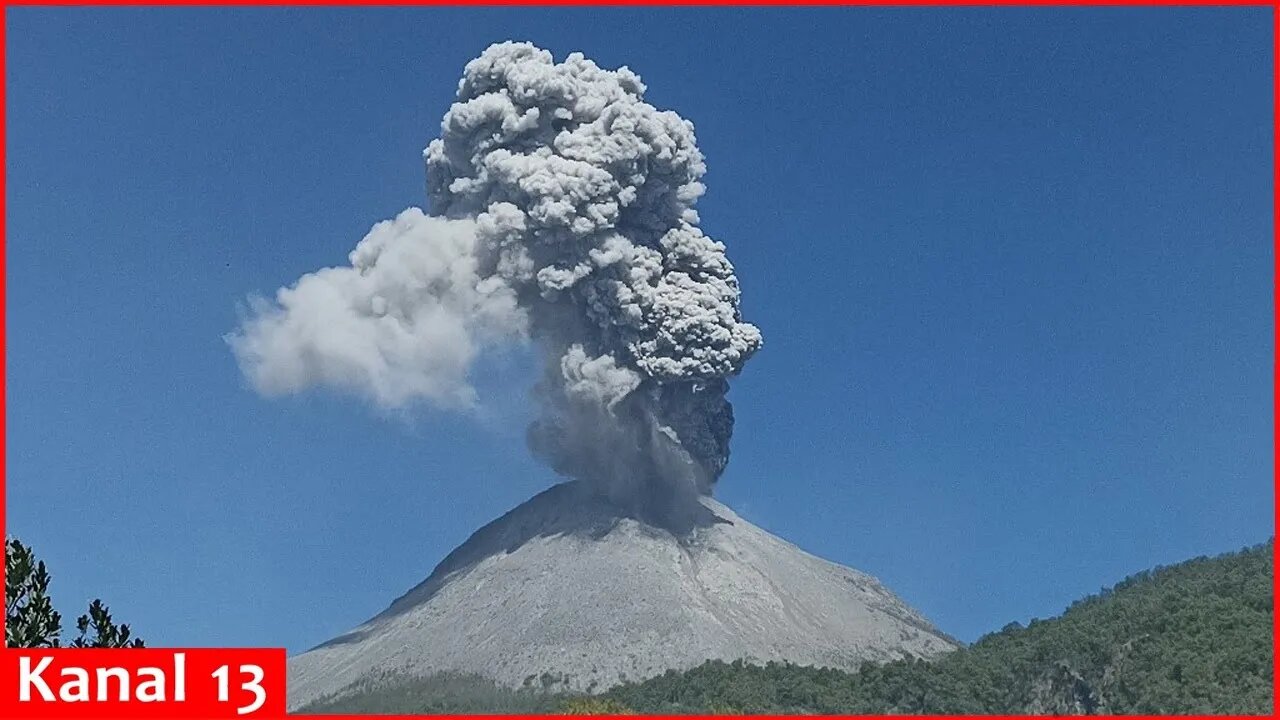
402, 323
561, 211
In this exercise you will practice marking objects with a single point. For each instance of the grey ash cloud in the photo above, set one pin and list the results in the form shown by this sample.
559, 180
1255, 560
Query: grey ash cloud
560, 213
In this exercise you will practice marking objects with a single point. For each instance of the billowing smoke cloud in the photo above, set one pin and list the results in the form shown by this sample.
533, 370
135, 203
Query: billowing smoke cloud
561, 212
402, 323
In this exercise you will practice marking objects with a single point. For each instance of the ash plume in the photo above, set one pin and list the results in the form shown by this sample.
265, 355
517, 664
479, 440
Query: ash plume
561, 212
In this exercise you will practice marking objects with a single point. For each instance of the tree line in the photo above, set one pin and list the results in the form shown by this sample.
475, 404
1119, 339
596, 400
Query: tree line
1193, 638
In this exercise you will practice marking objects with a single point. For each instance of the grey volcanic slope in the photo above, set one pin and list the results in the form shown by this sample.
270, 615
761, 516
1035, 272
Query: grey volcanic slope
568, 585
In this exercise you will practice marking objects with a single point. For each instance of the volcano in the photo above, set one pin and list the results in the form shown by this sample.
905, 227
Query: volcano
572, 591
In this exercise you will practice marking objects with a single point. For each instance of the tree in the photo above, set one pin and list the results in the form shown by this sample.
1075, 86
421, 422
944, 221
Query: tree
29, 618
105, 633
31, 621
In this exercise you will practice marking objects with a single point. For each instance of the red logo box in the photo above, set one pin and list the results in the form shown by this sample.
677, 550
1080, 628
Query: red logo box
142, 683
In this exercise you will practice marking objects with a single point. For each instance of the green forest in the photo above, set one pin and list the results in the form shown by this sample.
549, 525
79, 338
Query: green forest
1189, 638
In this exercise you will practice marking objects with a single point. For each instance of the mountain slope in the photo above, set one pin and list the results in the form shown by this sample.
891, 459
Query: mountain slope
1191, 638
566, 592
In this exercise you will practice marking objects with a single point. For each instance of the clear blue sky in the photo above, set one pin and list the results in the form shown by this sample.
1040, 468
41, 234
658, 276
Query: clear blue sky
1013, 269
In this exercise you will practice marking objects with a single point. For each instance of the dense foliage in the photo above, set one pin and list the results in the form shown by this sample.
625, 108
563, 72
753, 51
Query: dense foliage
29, 618
1192, 638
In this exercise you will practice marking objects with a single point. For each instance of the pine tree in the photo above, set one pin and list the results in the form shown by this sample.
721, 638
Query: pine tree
29, 618
105, 633
31, 621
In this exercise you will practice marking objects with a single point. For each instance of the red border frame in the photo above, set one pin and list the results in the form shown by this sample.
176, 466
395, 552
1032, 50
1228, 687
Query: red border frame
1275, 79
619, 3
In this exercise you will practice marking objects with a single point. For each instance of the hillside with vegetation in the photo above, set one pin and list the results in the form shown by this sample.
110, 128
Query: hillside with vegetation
1193, 638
